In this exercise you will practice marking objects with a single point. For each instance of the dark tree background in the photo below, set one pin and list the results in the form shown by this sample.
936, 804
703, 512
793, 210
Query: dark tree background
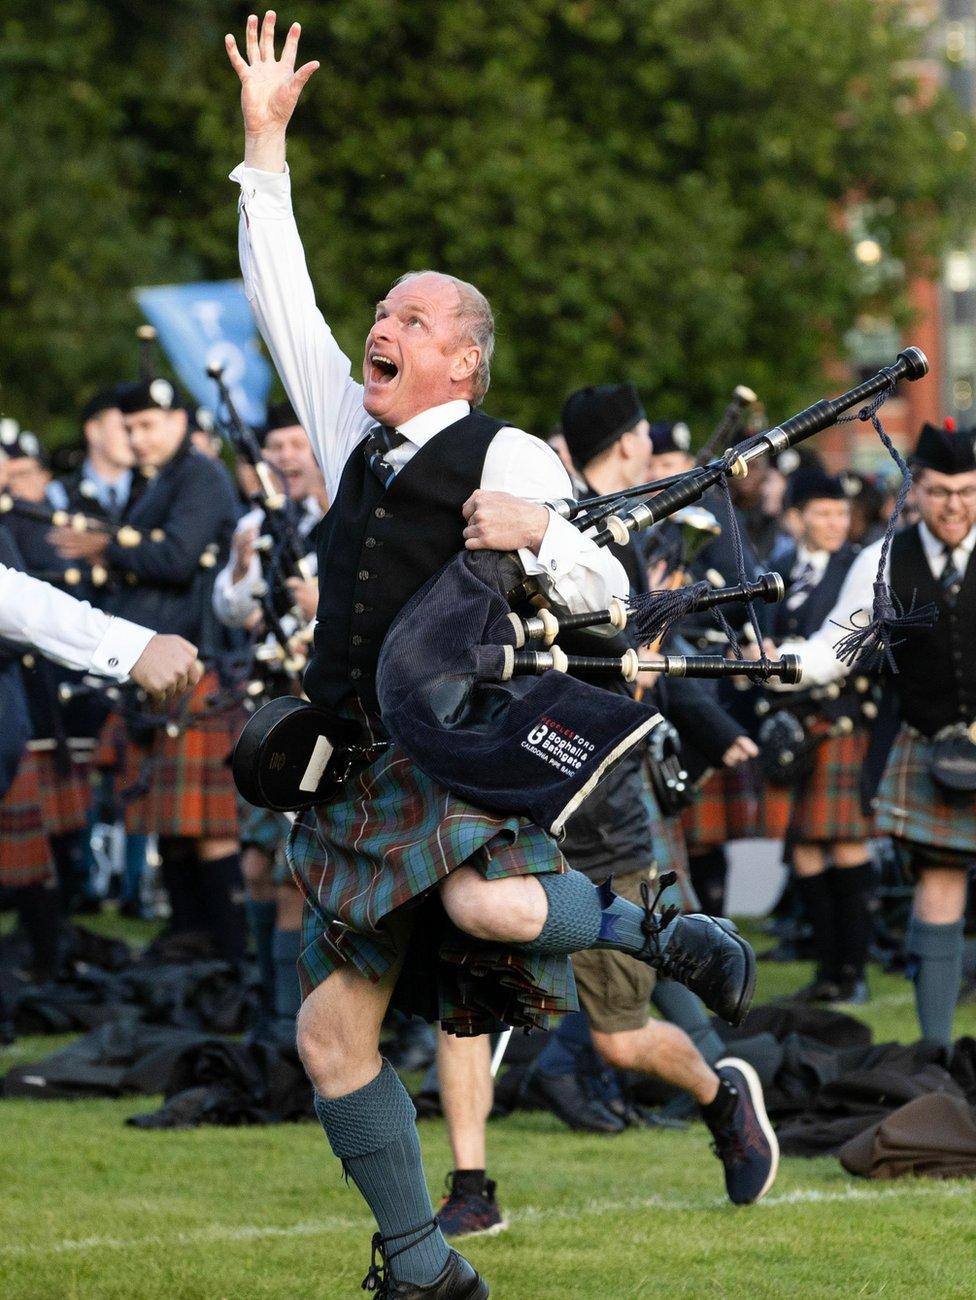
650, 191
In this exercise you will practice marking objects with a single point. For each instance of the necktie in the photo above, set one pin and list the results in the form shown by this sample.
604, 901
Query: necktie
951, 579
381, 440
801, 584
112, 508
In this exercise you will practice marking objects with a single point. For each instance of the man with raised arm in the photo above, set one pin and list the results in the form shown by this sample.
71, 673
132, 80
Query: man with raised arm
399, 875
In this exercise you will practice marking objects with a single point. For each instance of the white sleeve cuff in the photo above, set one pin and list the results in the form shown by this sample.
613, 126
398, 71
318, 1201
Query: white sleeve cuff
264, 194
120, 647
559, 551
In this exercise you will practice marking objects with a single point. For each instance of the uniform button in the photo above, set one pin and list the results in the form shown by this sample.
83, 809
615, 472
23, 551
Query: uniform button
371, 542
356, 674
359, 608
363, 575
357, 640
379, 512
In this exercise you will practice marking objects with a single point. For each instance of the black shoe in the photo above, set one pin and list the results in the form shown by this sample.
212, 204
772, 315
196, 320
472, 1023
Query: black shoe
710, 957
470, 1214
746, 1143
457, 1280
565, 1097
822, 988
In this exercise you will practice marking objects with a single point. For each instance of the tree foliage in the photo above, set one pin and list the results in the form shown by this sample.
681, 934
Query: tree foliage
653, 192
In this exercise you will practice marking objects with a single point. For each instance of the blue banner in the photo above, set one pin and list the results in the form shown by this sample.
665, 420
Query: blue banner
202, 324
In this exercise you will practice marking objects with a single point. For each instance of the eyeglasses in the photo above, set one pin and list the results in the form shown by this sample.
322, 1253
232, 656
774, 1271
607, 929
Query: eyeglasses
967, 494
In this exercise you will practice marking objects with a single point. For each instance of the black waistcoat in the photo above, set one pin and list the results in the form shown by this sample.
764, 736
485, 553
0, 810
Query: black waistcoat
377, 547
936, 681
810, 613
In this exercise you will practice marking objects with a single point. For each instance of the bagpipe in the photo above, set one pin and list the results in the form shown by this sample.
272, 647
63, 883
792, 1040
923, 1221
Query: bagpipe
281, 547
525, 731
793, 728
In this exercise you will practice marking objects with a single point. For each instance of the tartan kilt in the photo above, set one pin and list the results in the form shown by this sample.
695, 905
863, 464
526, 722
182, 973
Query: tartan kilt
25, 851
725, 808
910, 806
65, 796
827, 807
190, 789
670, 850
378, 849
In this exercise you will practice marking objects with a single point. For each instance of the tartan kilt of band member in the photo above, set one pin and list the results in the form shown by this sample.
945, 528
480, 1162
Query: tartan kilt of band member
182, 785
910, 806
725, 808
825, 807
379, 848
65, 794
25, 851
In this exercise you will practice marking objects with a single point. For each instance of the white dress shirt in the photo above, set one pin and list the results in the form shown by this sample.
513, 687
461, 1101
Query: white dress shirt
820, 663
234, 602
571, 570
69, 631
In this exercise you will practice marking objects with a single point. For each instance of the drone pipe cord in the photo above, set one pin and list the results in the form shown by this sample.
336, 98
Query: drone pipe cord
728, 426
911, 364
630, 664
545, 626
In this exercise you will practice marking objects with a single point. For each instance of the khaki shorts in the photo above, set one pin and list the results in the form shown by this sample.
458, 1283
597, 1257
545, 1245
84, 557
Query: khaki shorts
614, 989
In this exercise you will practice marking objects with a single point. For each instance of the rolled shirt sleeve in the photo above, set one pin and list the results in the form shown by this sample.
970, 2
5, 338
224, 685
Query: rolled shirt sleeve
69, 631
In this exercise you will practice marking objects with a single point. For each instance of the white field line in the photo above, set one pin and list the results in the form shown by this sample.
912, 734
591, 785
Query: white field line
529, 1213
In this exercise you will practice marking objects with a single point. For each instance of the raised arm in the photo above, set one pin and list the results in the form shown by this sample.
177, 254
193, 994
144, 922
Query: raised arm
312, 366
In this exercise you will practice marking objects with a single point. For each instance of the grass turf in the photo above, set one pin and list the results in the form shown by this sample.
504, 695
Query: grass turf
92, 1209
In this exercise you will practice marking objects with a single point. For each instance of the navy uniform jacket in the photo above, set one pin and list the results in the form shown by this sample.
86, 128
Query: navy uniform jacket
161, 584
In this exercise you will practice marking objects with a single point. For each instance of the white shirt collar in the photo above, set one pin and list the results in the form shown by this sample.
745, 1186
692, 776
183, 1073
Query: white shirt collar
421, 428
935, 549
818, 560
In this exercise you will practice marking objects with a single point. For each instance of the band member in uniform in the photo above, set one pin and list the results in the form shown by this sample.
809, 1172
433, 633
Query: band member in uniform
927, 796
187, 796
273, 904
618, 832
823, 743
107, 483
416, 473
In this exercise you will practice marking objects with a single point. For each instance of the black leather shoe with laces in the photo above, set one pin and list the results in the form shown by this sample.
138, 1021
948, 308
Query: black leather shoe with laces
457, 1280
709, 956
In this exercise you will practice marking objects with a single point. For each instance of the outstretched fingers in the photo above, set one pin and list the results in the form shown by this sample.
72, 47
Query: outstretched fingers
237, 62
290, 47
305, 71
267, 36
252, 39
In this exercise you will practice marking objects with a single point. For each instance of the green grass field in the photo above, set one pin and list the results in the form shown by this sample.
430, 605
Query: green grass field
91, 1209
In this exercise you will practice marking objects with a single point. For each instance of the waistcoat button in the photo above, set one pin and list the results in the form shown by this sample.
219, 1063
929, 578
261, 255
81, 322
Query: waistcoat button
355, 674
379, 512
363, 575
359, 608
357, 640
371, 542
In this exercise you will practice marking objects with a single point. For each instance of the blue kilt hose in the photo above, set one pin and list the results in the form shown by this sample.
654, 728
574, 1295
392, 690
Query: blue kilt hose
380, 847
910, 806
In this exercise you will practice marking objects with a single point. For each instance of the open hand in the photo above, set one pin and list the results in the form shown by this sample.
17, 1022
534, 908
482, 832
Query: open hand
270, 87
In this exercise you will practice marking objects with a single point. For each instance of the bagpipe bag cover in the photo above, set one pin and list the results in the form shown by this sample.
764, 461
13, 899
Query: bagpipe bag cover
532, 746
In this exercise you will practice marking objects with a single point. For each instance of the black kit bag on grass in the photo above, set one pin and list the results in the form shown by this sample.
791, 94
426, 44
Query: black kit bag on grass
530, 746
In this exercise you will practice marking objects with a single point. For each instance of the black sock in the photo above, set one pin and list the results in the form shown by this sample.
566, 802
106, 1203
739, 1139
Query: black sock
818, 907
852, 897
467, 1182
223, 894
721, 1108
708, 872
66, 851
40, 915
178, 863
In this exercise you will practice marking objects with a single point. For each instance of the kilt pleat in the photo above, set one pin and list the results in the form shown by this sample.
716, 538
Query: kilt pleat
725, 808
25, 851
910, 806
65, 795
189, 788
827, 806
380, 847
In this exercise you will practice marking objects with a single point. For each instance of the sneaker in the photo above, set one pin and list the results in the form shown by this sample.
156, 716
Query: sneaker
708, 955
470, 1214
746, 1143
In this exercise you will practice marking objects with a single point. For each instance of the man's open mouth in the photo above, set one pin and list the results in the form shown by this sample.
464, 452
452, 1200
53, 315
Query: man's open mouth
382, 369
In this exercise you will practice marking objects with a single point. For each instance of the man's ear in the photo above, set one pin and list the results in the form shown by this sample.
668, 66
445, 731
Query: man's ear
464, 364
